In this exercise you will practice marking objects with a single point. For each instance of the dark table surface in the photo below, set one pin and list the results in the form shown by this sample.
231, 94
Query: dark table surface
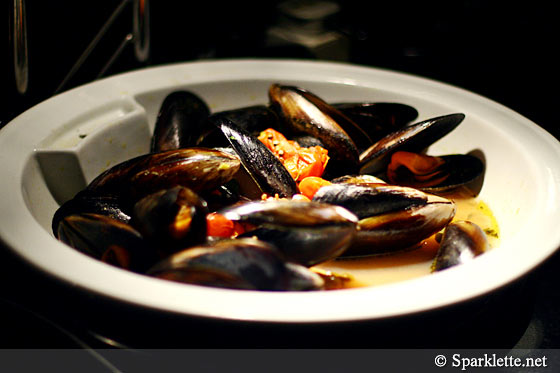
499, 50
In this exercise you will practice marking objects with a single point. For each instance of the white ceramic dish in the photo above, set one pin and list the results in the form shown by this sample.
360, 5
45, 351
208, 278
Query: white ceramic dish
50, 152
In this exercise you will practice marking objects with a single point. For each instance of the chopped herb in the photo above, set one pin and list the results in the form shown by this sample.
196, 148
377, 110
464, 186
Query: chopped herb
491, 232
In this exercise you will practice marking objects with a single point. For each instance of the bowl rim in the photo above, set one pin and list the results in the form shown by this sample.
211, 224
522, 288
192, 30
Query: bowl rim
396, 299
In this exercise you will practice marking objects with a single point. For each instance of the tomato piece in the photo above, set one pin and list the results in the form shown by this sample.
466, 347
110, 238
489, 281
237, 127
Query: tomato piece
218, 225
311, 184
299, 161
313, 161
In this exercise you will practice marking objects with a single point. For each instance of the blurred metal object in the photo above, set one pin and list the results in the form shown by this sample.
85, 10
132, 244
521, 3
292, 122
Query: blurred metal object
127, 40
141, 29
21, 56
140, 36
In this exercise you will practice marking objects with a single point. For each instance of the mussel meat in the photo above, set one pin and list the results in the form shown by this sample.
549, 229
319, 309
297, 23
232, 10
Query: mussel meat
433, 174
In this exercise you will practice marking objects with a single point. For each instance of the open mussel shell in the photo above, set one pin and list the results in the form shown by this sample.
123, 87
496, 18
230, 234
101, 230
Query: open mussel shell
462, 241
260, 163
172, 219
243, 263
180, 121
303, 112
455, 171
378, 119
107, 239
306, 233
196, 168
413, 138
85, 202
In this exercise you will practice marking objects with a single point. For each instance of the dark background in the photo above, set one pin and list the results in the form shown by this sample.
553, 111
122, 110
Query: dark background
506, 51
500, 49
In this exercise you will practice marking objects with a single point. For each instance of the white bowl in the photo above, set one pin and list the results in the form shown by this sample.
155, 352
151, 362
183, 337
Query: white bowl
52, 150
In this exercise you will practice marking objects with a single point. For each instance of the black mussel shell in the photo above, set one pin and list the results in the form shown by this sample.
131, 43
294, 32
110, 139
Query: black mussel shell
85, 202
261, 164
109, 240
306, 233
462, 241
378, 119
414, 138
391, 217
303, 112
172, 219
402, 229
243, 263
196, 168
180, 121
368, 200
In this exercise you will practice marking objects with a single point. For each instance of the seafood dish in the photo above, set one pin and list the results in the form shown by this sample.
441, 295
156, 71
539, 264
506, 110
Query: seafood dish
292, 195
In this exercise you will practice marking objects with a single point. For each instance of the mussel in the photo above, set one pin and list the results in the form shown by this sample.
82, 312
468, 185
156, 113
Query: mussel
307, 233
262, 166
86, 202
402, 229
108, 240
413, 138
180, 121
462, 241
242, 263
392, 218
368, 200
172, 218
303, 112
196, 168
